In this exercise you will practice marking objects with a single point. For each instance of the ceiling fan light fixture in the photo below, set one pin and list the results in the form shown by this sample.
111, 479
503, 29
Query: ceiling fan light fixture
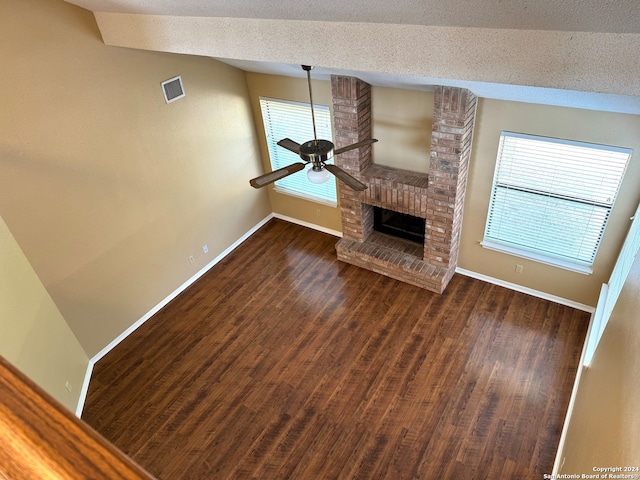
318, 175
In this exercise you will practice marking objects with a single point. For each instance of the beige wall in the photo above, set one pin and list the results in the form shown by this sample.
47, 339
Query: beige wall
107, 189
401, 122
33, 334
604, 429
582, 125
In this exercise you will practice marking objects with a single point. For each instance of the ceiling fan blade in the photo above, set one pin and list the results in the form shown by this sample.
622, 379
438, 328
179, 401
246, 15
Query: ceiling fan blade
363, 143
290, 145
346, 178
271, 177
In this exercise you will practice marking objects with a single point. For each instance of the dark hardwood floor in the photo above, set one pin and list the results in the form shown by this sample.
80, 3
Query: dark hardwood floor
282, 363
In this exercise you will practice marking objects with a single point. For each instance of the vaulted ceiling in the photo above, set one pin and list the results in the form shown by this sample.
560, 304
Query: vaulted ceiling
582, 53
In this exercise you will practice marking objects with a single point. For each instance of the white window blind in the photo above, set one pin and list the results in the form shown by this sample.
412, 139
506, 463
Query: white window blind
286, 119
551, 198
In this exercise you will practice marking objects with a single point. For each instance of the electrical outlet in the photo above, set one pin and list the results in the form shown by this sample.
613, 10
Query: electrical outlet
205, 249
318, 212
191, 259
68, 386
519, 268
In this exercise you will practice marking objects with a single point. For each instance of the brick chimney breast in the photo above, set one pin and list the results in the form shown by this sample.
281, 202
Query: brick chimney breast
438, 196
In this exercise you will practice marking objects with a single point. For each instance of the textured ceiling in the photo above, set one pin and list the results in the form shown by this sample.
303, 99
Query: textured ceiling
578, 53
613, 16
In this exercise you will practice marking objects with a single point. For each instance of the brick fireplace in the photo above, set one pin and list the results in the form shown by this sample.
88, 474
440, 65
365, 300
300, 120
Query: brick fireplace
436, 196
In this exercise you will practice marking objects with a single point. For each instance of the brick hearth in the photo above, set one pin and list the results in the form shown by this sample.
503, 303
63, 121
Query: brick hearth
438, 196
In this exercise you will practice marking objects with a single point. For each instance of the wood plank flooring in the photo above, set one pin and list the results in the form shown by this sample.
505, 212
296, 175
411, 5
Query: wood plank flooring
283, 363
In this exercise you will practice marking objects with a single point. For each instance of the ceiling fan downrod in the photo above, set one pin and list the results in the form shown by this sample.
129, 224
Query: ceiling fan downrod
308, 68
315, 151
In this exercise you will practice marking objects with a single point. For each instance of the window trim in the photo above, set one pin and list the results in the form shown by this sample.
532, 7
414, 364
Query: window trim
536, 257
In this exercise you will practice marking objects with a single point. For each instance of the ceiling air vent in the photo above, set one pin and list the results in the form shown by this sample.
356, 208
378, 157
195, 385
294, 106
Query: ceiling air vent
172, 89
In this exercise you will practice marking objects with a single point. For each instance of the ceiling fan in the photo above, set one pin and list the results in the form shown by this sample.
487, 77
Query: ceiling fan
317, 152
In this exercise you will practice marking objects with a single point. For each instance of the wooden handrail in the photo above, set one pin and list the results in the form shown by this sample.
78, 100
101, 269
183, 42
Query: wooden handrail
39, 438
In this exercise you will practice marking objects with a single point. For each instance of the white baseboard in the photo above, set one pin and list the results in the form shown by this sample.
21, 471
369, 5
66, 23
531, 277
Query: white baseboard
156, 309
527, 290
335, 233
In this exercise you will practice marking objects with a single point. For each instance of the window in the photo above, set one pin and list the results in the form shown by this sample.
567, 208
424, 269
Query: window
551, 198
611, 291
284, 119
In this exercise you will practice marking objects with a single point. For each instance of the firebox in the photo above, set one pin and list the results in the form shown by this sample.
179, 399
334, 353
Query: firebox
399, 224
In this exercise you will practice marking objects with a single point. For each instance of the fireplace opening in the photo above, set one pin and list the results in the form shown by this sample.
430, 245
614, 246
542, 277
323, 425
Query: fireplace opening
399, 224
